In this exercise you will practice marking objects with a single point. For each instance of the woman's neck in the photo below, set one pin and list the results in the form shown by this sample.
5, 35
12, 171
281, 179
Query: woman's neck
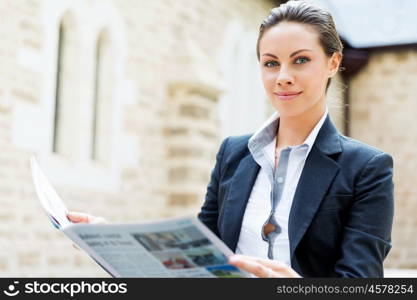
293, 131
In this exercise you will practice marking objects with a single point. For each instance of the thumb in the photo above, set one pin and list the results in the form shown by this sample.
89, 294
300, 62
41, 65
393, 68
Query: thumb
78, 217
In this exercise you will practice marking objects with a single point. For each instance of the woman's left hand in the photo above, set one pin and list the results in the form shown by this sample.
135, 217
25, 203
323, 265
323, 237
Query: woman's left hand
263, 268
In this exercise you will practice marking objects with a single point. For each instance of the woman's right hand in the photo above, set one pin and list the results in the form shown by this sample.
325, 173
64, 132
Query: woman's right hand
78, 217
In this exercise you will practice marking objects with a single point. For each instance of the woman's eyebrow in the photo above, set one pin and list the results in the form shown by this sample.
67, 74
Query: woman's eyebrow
294, 53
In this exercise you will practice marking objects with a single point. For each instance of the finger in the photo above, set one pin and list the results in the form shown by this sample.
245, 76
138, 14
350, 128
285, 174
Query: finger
279, 268
251, 266
273, 264
77, 217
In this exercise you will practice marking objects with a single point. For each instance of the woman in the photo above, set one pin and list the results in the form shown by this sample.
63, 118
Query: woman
297, 199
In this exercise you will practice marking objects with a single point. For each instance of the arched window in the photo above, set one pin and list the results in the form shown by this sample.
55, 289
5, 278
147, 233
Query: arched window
84, 76
65, 88
102, 99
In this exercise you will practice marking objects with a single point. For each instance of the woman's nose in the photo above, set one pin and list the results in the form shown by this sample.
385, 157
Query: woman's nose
284, 77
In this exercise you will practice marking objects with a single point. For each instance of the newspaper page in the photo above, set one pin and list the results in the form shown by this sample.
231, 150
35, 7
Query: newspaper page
176, 247
52, 204
168, 248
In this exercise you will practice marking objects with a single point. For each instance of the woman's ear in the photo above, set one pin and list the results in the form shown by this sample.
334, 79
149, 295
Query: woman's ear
334, 64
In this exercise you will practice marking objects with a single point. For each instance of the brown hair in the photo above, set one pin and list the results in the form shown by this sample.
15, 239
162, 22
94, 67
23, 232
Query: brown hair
305, 13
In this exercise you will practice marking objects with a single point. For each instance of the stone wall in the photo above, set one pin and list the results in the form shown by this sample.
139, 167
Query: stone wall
166, 130
383, 111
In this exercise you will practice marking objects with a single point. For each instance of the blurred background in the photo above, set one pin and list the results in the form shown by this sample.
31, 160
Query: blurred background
125, 103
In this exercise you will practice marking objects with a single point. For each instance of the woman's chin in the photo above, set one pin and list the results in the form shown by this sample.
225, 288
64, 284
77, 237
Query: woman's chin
287, 111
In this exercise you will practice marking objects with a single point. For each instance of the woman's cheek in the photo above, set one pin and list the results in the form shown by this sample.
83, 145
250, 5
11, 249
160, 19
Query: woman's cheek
315, 76
269, 81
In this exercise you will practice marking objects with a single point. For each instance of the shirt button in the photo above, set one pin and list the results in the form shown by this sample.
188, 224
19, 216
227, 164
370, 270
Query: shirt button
280, 180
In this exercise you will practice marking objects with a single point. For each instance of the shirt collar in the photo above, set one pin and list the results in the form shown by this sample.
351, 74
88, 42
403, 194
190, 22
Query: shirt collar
267, 133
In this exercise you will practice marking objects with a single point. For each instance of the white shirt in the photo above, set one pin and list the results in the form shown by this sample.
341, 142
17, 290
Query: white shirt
259, 203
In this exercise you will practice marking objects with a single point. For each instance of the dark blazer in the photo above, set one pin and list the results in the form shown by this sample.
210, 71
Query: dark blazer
341, 216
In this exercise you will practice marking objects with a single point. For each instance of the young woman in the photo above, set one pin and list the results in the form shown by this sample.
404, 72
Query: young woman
296, 198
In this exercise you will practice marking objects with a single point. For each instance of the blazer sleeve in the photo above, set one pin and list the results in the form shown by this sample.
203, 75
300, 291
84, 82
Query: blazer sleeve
366, 238
209, 212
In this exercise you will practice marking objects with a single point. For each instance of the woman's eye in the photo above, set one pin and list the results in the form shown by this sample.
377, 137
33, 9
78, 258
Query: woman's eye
270, 64
302, 60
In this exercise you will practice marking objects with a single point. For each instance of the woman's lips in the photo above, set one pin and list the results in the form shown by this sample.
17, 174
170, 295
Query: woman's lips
287, 96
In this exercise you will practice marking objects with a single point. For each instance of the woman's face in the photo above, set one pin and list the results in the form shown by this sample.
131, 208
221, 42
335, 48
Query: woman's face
293, 61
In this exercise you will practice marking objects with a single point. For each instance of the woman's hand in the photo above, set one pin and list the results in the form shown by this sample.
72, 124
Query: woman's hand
263, 268
77, 217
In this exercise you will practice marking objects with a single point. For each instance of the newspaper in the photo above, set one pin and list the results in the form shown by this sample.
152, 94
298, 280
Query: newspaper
176, 247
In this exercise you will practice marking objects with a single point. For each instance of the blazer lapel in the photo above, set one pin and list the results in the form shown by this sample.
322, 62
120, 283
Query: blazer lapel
235, 204
316, 177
